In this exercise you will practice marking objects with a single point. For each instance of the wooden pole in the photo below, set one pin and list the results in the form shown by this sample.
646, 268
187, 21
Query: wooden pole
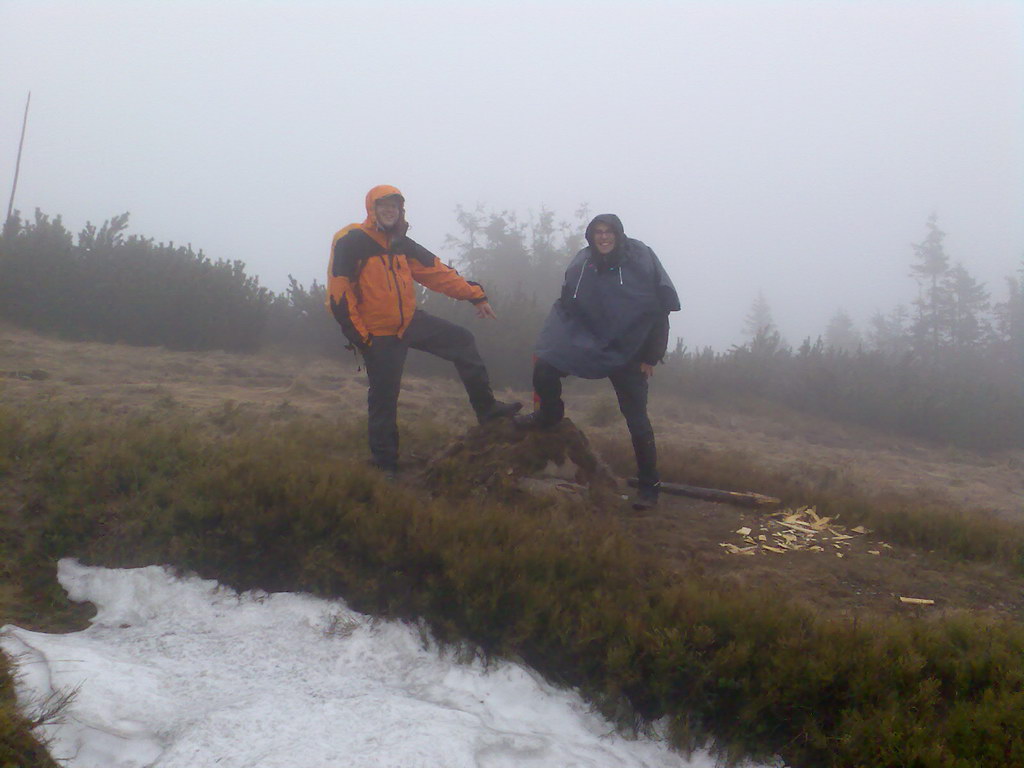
739, 498
17, 165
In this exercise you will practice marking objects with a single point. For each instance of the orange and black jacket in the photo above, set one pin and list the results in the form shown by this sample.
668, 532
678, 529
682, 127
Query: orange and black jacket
370, 286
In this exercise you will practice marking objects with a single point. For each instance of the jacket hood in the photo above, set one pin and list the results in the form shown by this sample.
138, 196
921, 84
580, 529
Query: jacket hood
370, 224
615, 223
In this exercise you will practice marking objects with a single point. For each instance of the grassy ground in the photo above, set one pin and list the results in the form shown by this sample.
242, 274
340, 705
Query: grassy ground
270, 491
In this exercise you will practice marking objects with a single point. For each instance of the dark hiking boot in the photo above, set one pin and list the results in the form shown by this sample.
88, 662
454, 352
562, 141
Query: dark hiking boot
648, 486
646, 497
498, 410
534, 420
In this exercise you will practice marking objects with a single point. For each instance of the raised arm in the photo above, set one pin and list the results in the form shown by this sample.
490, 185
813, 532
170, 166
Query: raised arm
430, 271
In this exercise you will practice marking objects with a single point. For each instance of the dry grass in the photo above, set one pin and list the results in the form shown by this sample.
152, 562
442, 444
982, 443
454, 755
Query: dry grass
249, 470
776, 439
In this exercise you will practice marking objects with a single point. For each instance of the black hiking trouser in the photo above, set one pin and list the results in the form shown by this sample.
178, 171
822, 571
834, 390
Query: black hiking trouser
630, 386
385, 360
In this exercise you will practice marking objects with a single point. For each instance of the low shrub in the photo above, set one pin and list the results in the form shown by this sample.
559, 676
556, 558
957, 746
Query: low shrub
290, 506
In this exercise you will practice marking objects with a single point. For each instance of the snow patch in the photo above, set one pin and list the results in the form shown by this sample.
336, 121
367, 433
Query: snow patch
183, 672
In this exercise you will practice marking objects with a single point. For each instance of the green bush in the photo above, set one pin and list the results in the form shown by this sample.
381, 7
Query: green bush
289, 505
970, 398
111, 288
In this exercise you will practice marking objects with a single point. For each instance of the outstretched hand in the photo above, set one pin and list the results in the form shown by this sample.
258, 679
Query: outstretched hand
484, 311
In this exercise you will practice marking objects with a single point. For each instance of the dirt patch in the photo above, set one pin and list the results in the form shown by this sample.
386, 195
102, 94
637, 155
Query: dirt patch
785, 440
870, 577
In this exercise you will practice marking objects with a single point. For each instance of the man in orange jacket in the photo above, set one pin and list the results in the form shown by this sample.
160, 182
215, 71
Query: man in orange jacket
373, 297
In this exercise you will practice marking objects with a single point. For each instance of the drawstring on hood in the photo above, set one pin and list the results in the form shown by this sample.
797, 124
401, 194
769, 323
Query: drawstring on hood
577, 291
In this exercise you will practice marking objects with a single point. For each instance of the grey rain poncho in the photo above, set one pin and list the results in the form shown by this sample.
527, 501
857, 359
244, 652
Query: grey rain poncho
609, 308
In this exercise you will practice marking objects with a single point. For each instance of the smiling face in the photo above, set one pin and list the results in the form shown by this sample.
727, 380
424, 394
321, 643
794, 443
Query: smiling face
604, 238
387, 210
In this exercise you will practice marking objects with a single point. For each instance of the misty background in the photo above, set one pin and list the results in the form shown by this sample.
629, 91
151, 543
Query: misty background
789, 148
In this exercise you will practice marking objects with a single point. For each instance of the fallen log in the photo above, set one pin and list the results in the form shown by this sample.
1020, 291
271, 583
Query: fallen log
737, 498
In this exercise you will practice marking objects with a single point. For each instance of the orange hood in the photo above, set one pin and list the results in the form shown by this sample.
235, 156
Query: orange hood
369, 226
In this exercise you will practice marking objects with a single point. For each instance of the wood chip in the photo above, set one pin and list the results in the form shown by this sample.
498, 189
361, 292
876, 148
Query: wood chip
874, 552
917, 600
799, 527
743, 531
732, 549
803, 529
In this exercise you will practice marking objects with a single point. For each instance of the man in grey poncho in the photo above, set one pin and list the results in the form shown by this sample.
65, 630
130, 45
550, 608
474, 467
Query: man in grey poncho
611, 321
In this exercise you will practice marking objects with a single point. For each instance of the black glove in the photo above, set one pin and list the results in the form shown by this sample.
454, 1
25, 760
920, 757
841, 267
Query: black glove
358, 345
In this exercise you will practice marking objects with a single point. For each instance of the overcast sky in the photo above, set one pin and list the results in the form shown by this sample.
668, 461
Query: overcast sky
793, 148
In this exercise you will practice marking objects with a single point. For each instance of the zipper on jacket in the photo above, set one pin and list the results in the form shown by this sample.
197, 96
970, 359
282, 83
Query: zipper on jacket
398, 291
389, 267
384, 261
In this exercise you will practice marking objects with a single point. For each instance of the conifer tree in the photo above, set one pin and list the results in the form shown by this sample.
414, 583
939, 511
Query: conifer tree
841, 334
890, 333
759, 320
968, 300
1009, 328
931, 326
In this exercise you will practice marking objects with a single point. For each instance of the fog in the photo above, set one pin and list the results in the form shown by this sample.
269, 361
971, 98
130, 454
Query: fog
791, 148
